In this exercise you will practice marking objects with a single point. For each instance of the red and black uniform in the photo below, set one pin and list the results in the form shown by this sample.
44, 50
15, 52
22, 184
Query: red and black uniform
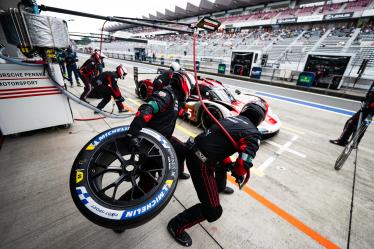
107, 87
88, 72
160, 114
351, 124
204, 152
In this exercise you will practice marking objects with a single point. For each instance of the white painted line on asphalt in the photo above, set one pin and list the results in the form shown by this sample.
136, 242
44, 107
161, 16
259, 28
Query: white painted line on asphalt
276, 154
287, 149
291, 100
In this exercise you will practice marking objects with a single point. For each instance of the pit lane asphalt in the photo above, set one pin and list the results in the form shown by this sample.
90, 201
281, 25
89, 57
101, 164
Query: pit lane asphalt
307, 130
37, 210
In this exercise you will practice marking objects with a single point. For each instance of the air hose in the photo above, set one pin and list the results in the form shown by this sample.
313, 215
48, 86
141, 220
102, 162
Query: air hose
209, 113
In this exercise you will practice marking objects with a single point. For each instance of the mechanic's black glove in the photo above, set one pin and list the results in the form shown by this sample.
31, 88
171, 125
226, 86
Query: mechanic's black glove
132, 142
238, 179
128, 142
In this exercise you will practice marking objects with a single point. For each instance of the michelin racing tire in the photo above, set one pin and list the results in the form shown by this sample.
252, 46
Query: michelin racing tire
119, 189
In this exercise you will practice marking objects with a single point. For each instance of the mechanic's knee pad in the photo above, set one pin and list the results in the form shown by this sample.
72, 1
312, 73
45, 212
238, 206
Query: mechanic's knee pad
212, 213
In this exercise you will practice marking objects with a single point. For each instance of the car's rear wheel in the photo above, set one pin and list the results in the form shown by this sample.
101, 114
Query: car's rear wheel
143, 92
206, 120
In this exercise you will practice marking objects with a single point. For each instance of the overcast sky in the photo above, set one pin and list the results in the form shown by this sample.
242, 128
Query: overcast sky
132, 8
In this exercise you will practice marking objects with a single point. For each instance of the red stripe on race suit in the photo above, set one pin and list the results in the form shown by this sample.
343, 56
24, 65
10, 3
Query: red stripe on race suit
23, 92
30, 95
28, 88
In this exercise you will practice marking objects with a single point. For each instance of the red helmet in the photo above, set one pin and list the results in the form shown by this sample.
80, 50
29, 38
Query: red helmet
96, 56
121, 72
183, 82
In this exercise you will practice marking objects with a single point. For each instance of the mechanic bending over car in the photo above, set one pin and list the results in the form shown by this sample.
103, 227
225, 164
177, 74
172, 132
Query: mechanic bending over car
161, 112
204, 152
221, 172
107, 86
351, 124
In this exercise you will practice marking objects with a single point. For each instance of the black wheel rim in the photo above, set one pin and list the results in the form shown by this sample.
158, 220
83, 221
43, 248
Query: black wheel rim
115, 173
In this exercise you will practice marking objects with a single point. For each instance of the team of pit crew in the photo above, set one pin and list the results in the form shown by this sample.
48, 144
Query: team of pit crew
208, 155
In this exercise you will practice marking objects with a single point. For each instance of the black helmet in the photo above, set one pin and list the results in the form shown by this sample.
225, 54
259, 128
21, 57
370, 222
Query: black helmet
255, 111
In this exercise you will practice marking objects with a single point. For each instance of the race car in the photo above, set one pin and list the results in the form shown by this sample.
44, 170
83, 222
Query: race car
219, 101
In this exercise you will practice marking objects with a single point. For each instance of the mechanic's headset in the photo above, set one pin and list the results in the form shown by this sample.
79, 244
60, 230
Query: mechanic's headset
121, 72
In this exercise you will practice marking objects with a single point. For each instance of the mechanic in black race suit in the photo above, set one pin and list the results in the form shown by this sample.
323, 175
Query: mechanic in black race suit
161, 112
88, 73
164, 79
107, 86
351, 124
204, 152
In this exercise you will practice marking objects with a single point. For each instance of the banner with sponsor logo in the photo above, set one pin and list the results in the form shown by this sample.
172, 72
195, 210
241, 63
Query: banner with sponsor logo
287, 20
251, 23
313, 18
338, 16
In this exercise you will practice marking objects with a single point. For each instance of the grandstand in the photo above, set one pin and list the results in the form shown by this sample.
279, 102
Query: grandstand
284, 31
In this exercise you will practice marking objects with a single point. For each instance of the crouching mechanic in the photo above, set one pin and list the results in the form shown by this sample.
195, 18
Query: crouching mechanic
107, 86
204, 152
161, 113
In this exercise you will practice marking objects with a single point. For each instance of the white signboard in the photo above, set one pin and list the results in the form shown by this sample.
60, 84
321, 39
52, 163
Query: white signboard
313, 18
29, 100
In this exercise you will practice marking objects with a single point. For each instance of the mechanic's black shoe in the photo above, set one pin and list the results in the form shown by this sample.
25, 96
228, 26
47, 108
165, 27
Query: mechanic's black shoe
79, 84
183, 238
227, 191
338, 142
119, 230
184, 176
71, 84
123, 110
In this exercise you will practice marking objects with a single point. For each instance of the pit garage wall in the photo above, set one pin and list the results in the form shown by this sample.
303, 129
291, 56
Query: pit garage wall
29, 100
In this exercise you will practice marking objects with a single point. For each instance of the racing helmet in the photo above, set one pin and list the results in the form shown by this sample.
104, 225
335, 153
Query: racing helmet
175, 66
121, 71
96, 56
183, 83
255, 111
